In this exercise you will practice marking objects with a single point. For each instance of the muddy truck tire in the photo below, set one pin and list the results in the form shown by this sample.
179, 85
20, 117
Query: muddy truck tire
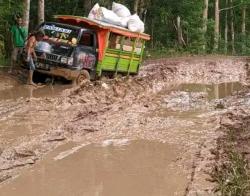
83, 76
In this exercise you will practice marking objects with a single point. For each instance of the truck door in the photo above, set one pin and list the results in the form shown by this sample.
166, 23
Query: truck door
85, 55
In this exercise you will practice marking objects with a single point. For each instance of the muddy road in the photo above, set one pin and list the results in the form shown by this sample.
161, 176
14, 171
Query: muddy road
153, 134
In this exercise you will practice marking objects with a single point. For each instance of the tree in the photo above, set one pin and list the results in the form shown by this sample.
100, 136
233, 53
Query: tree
136, 4
243, 27
41, 11
26, 13
174, 25
226, 28
205, 17
216, 26
232, 28
181, 40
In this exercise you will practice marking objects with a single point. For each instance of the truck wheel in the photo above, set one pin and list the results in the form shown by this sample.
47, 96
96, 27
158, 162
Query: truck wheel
83, 76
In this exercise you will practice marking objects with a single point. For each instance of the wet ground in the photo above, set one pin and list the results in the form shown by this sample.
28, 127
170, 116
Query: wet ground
21, 91
147, 135
213, 91
18, 116
135, 168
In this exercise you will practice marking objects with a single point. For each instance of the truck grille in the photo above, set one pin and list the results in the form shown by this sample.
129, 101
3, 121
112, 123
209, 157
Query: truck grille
52, 57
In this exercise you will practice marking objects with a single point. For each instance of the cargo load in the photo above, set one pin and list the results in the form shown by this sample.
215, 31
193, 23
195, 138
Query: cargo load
119, 16
120, 10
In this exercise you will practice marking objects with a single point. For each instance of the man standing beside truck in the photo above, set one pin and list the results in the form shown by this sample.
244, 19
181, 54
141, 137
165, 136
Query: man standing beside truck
18, 36
31, 57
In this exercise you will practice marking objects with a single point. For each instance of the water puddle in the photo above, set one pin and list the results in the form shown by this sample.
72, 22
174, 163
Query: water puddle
140, 168
214, 91
21, 90
12, 87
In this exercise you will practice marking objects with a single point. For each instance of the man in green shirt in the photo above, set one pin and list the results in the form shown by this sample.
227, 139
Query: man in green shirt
19, 35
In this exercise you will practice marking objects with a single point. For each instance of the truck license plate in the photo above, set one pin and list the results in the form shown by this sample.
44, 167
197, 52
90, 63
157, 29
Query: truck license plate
42, 66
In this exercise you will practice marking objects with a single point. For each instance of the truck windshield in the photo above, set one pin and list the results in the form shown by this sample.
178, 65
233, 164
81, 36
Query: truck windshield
60, 33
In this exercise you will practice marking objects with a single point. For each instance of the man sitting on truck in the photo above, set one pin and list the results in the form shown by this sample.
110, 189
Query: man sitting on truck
31, 54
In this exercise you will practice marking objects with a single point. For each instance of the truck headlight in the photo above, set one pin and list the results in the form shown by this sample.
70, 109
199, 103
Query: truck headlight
70, 61
64, 60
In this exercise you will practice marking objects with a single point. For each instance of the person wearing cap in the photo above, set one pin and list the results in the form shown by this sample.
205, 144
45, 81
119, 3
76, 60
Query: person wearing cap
18, 37
31, 54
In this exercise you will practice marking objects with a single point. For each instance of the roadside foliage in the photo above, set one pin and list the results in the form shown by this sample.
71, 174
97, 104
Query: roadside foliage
208, 26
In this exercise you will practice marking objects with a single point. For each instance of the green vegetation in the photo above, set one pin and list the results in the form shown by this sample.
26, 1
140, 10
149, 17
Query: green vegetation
176, 27
233, 177
4, 62
232, 173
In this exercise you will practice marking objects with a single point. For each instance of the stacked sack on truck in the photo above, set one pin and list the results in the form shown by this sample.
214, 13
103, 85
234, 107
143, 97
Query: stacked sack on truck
119, 15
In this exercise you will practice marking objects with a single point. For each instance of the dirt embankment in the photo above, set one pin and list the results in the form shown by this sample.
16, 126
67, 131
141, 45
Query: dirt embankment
149, 106
232, 153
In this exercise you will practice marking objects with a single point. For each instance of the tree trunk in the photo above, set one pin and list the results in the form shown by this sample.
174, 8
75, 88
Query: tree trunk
216, 26
145, 16
179, 32
152, 32
26, 13
87, 6
232, 28
136, 5
243, 25
205, 16
41, 11
226, 29
142, 8
243, 29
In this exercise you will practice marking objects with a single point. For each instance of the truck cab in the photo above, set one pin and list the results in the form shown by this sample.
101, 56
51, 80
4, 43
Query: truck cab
66, 50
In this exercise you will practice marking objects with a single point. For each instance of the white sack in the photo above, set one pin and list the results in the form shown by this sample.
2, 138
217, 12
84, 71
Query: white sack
124, 22
94, 13
109, 16
120, 10
135, 24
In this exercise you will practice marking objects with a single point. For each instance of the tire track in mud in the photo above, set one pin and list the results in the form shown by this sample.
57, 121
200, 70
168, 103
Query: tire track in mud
9, 108
98, 110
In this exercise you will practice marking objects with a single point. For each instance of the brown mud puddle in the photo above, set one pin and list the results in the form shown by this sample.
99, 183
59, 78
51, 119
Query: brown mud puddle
25, 91
189, 100
141, 168
19, 116
214, 91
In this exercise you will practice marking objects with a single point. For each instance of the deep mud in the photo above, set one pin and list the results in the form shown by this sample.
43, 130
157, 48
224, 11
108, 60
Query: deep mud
176, 103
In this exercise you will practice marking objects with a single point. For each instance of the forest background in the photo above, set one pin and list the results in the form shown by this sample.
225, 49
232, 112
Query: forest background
175, 26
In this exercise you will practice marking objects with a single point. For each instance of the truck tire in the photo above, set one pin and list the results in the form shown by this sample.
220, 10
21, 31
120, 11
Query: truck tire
83, 76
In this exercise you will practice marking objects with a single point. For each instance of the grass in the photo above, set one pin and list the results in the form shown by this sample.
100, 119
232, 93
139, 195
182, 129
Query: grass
231, 172
233, 177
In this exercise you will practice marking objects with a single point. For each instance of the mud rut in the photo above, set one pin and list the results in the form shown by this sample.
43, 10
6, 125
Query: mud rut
148, 107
